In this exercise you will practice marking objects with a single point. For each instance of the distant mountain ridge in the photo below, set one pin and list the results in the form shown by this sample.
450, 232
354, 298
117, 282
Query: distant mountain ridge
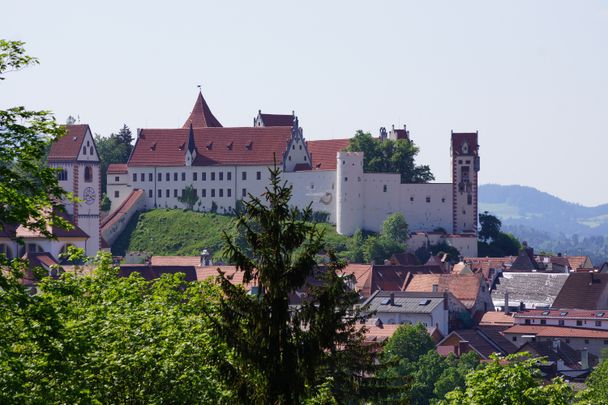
526, 206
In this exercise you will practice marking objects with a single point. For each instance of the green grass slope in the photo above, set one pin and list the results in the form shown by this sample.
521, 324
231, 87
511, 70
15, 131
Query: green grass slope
169, 232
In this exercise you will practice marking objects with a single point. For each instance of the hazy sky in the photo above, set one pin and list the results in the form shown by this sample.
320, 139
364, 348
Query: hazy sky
530, 76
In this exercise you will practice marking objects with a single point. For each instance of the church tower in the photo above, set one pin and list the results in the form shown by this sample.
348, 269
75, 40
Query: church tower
465, 166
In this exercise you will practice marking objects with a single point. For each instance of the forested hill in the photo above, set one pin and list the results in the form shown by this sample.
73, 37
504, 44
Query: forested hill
527, 206
547, 222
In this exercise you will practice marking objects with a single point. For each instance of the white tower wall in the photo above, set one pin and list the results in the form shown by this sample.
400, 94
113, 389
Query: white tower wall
349, 204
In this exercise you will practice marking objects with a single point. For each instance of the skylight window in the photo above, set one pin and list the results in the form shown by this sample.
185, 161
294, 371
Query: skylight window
563, 313
424, 302
385, 301
600, 314
545, 313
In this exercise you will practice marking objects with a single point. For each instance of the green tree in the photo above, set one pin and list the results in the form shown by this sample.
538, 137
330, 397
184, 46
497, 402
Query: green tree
106, 203
514, 379
489, 227
380, 248
113, 149
189, 197
390, 156
395, 227
282, 354
29, 192
492, 242
597, 385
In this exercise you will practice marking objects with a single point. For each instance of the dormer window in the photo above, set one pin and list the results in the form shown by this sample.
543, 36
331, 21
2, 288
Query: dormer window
249, 145
209, 145
182, 146
229, 146
153, 147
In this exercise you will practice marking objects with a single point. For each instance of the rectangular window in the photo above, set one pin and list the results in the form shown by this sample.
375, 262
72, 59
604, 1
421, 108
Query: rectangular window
212, 192
428, 199
168, 177
598, 323
229, 176
116, 194
606, 342
204, 176
160, 193
258, 175
244, 192
212, 176
221, 192
134, 176
543, 321
150, 177
174, 192
183, 176
469, 199
142, 177
527, 322
150, 193
579, 323
195, 192
160, 177
204, 192
229, 192
62, 175
221, 176
384, 188
168, 193
560, 322
194, 176
244, 175
117, 179
174, 176
586, 341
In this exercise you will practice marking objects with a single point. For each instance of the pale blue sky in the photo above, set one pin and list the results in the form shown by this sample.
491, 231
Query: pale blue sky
531, 76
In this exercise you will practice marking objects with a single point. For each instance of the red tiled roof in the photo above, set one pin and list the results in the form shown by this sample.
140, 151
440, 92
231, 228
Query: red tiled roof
600, 314
215, 146
231, 272
201, 115
277, 120
122, 209
583, 291
323, 152
68, 147
117, 168
175, 260
154, 272
458, 138
24, 232
484, 264
465, 287
556, 331
361, 272
496, 318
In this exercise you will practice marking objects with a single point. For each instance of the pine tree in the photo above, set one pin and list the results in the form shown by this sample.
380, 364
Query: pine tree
283, 352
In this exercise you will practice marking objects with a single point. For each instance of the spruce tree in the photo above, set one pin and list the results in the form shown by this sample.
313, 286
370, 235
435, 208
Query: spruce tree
283, 352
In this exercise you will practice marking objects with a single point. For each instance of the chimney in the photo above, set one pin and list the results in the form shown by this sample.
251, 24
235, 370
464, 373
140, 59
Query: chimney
507, 302
446, 303
585, 359
392, 298
378, 322
205, 258
435, 287
387, 262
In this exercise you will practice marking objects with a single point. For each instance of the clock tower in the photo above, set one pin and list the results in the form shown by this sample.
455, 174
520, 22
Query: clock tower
465, 166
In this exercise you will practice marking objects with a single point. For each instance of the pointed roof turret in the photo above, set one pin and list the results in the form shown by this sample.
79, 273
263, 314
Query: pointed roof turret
191, 145
201, 115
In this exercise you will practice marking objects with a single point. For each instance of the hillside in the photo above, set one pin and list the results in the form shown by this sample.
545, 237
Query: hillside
529, 207
185, 233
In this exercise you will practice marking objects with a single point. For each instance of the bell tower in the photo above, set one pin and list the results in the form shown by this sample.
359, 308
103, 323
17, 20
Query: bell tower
465, 167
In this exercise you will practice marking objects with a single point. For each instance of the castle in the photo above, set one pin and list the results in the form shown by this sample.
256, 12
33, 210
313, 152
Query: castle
226, 164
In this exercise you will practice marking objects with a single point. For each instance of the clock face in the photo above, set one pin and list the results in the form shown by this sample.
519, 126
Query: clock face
89, 195
465, 148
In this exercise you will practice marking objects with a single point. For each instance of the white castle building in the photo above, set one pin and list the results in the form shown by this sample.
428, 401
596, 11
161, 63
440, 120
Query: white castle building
224, 165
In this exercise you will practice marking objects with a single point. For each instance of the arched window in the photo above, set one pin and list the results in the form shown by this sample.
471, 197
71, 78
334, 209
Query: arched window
91, 151
88, 174
62, 175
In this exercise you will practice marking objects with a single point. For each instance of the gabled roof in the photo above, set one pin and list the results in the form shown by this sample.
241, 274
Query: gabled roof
404, 302
404, 259
583, 291
496, 318
459, 138
175, 260
465, 287
277, 120
214, 146
154, 272
75, 232
557, 331
323, 152
201, 115
600, 314
68, 147
538, 289
555, 352
477, 340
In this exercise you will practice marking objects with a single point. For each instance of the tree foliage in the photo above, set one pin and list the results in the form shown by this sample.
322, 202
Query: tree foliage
492, 241
597, 385
395, 227
29, 192
514, 379
390, 156
115, 148
101, 338
189, 197
283, 352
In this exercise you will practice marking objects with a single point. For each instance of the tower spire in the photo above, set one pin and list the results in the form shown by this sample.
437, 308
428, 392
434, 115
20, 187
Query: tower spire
201, 115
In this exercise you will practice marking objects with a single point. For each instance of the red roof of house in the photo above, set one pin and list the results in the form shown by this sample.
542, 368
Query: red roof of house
122, 209
458, 138
465, 287
117, 168
214, 146
25, 232
277, 120
583, 291
201, 115
323, 152
600, 314
68, 147
496, 318
557, 331
175, 260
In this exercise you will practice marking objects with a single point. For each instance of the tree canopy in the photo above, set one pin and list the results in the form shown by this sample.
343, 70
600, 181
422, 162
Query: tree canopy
29, 191
492, 241
113, 149
390, 156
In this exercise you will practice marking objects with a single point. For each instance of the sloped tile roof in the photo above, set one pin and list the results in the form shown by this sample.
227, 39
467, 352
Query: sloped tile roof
175, 260
323, 152
117, 168
75, 232
538, 289
68, 147
465, 287
277, 120
154, 272
201, 115
215, 146
557, 331
583, 291
404, 302
496, 318
458, 138
122, 209
564, 313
